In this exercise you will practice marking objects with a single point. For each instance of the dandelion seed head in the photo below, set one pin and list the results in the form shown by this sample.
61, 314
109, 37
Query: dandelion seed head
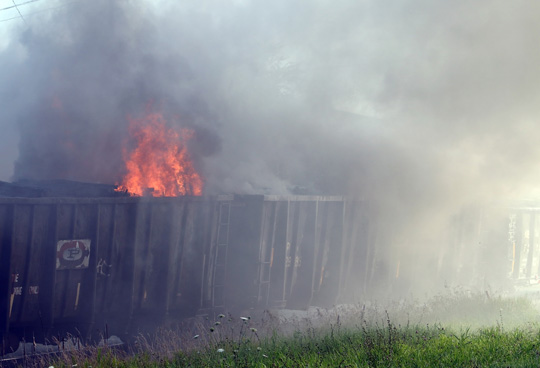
220, 350
253, 329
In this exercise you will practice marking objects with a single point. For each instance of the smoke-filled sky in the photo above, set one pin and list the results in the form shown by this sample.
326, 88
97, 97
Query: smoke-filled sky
412, 101
421, 107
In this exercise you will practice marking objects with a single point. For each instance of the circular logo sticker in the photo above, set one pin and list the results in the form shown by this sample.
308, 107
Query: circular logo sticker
72, 254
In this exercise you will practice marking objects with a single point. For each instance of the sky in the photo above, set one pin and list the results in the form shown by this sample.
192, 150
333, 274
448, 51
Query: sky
422, 107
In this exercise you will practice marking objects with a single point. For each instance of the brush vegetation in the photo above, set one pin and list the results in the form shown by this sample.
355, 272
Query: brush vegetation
457, 329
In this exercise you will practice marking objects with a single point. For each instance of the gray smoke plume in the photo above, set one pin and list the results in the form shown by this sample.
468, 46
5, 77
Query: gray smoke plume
420, 106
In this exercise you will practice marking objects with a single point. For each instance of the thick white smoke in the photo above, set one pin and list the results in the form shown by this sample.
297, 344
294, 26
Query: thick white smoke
420, 106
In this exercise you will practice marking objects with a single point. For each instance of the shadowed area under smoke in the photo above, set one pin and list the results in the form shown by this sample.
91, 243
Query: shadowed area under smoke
422, 107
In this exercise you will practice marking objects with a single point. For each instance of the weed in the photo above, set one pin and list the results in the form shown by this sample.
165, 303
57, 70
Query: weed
405, 334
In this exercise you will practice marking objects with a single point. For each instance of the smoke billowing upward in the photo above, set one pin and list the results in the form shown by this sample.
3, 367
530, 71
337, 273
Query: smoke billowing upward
420, 106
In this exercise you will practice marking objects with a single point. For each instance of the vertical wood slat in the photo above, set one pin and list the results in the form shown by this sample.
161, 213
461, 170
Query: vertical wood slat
272, 249
91, 278
27, 269
6, 238
532, 221
518, 244
19, 262
318, 238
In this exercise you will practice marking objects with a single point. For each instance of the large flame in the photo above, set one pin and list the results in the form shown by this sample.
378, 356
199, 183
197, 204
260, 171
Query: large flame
160, 164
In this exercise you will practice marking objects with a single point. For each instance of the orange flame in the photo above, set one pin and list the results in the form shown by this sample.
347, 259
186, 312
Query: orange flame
160, 162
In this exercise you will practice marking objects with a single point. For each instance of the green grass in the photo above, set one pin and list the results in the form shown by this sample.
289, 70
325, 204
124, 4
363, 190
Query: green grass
457, 330
367, 347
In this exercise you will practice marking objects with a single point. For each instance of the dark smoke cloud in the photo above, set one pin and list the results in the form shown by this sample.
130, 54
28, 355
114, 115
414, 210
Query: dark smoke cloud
418, 105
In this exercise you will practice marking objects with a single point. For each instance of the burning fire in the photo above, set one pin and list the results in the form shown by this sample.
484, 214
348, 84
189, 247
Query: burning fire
160, 162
